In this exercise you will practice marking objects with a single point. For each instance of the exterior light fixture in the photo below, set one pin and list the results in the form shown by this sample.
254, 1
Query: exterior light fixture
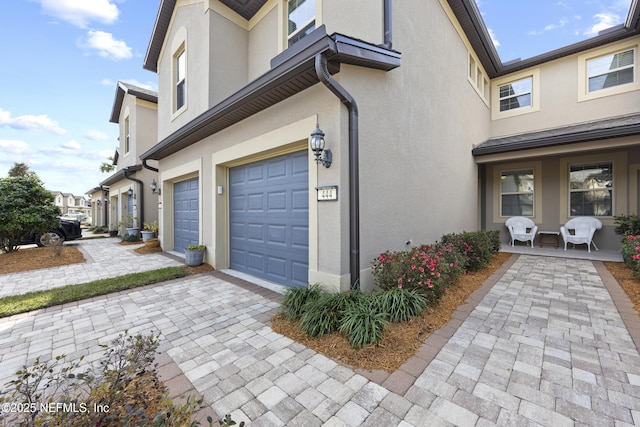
154, 187
316, 143
130, 191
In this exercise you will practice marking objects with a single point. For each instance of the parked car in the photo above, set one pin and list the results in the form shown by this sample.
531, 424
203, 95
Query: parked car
69, 230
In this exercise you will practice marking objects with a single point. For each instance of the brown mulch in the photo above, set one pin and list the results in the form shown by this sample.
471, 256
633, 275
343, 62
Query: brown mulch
401, 340
37, 258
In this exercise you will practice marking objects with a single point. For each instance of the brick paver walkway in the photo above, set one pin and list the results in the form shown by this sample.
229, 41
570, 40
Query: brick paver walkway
545, 346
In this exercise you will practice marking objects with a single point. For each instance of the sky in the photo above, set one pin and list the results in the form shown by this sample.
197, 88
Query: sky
61, 62
62, 59
526, 28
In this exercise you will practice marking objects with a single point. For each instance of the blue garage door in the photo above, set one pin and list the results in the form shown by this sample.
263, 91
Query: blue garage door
269, 219
185, 214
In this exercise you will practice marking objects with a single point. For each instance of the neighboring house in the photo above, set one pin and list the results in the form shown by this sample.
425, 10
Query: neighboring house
98, 199
244, 84
68, 203
129, 193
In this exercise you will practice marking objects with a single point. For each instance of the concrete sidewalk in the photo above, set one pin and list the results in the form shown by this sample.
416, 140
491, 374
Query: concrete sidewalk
545, 345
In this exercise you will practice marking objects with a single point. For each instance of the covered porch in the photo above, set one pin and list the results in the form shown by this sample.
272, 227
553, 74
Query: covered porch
579, 252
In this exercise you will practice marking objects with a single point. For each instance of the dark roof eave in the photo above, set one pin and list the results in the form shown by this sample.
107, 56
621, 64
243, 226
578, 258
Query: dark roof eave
560, 139
469, 17
121, 90
291, 73
120, 175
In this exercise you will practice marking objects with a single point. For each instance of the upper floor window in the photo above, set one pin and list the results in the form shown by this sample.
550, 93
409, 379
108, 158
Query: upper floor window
516, 94
517, 193
301, 16
591, 189
180, 79
126, 135
611, 70
479, 81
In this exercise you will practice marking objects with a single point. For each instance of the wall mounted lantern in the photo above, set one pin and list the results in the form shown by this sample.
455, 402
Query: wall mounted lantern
154, 187
317, 146
130, 192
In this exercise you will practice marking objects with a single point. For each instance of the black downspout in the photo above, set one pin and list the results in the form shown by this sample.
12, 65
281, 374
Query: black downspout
387, 25
151, 168
141, 201
354, 181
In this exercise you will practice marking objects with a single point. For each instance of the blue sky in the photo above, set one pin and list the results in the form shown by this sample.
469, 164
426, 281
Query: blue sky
61, 62
62, 59
526, 28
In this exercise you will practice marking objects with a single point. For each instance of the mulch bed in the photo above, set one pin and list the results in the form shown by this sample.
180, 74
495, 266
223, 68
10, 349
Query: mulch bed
37, 258
401, 340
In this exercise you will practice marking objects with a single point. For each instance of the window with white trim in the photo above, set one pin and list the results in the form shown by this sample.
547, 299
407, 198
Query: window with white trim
127, 144
516, 94
478, 79
591, 189
517, 193
301, 17
611, 70
180, 79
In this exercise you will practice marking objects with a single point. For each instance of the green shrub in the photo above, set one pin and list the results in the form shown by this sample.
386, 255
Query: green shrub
294, 300
627, 225
426, 268
123, 390
130, 238
631, 253
494, 238
401, 305
476, 246
363, 323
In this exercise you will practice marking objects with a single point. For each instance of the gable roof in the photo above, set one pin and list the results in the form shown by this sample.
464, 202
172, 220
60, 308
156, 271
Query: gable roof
615, 127
245, 8
122, 89
291, 72
470, 19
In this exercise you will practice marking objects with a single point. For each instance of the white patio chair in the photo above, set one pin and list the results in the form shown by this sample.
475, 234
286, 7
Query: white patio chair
583, 228
522, 229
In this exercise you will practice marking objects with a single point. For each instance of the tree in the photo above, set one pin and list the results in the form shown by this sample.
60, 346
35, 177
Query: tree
21, 169
26, 208
107, 167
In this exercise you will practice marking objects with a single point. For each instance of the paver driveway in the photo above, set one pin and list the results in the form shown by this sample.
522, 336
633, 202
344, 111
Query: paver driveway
545, 346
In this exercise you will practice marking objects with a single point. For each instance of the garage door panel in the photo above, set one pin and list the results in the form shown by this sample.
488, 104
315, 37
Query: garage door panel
185, 214
281, 185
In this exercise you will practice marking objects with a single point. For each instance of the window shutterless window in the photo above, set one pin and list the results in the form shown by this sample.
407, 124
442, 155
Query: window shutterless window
591, 189
516, 94
611, 70
517, 193
126, 135
301, 16
180, 73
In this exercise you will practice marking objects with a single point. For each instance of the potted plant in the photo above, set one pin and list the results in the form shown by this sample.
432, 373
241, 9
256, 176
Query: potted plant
194, 255
128, 222
149, 231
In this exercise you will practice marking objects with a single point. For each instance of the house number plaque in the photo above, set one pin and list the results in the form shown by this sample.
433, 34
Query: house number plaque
327, 193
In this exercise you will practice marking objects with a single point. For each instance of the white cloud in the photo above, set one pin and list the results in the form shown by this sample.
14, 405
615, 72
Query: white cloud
81, 12
14, 146
72, 145
96, 135
494, 39
30, 122
106, 45
561, 23
605, 20
148, 86
107, 82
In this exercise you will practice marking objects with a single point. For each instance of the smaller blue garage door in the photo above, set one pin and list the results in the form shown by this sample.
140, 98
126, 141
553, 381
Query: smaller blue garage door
269, 219
185, 214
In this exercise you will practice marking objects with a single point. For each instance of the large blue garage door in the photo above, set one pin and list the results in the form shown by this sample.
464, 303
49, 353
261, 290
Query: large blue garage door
269, 219
185, 214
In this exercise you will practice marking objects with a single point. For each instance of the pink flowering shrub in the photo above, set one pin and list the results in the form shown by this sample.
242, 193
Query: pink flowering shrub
631, 253
476, 246
428, 269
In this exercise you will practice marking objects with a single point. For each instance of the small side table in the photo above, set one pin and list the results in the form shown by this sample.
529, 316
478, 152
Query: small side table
549, 238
